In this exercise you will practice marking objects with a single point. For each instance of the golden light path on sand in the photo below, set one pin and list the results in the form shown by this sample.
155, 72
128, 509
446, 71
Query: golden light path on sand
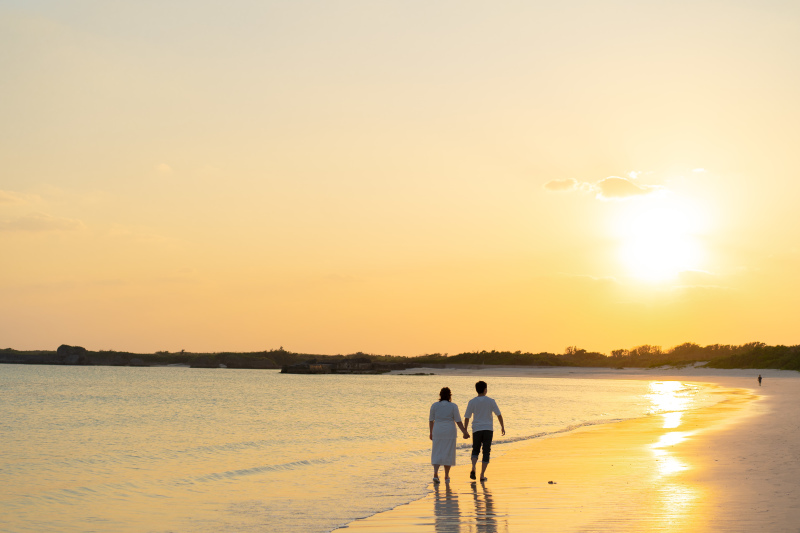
628, 476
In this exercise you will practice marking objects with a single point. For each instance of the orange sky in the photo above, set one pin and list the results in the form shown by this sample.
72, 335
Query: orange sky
398, 177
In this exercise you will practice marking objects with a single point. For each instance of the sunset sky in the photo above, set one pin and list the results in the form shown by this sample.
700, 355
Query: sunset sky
398, 177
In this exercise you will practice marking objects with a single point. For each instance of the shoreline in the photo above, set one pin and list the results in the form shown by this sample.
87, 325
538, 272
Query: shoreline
721, 468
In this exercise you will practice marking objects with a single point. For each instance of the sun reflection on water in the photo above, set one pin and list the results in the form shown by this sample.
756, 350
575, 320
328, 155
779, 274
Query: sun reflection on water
669, 396
671, 399
672, 420
670, 439
668, 464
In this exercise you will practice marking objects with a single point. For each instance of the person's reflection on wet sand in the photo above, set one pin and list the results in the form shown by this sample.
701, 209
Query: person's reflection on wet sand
485, 518
445, 510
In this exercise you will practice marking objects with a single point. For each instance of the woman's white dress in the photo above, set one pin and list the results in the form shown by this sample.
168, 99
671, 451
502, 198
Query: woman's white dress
444, 415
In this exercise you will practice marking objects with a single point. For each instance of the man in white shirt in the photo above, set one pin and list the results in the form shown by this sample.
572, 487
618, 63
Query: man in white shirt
482, 407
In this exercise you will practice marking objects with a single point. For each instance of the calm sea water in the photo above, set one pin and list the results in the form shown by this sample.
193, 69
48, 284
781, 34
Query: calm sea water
193, 450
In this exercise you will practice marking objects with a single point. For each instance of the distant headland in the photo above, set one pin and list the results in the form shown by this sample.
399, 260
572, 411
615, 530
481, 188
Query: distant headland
750, 355
77, 355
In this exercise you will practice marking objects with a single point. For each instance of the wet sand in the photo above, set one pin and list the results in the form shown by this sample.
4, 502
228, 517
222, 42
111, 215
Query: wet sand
730, 467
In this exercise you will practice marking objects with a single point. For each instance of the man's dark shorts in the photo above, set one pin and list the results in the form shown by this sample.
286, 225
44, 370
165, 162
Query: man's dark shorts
482, 438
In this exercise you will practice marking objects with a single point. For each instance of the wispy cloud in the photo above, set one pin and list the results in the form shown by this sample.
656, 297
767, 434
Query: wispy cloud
8, 197
164, 169
616, 188
40, 222
700, 283
569, 184
610, 188
698, 278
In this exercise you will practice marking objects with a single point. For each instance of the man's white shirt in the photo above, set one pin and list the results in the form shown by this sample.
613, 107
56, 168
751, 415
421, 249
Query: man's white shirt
482, 407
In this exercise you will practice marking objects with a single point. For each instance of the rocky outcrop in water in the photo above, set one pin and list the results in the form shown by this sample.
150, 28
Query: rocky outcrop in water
73, 355
204, 362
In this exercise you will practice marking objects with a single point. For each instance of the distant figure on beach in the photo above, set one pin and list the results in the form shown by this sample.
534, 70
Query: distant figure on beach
443, 419
759, 380
482, 407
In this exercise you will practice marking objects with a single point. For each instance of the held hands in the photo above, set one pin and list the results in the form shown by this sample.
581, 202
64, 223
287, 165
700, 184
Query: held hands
466, 435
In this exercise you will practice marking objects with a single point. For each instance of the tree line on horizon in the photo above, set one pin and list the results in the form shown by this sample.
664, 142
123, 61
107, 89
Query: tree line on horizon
750, 355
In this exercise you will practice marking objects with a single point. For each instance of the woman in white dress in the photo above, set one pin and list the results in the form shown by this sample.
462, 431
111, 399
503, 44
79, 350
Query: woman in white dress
443, 419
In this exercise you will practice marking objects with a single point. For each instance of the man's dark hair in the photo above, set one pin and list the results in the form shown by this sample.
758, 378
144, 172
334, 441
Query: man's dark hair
480, 387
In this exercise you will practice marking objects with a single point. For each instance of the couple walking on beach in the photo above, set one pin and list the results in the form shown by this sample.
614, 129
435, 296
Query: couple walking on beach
443, 419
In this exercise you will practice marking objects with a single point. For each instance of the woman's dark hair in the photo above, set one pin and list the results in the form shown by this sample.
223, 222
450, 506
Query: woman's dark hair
445, 394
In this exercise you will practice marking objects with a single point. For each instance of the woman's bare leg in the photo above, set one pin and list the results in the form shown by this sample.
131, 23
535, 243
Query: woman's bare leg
446, 471
435, 470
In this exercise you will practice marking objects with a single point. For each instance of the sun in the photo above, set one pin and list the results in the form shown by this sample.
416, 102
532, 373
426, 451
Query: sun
659, 238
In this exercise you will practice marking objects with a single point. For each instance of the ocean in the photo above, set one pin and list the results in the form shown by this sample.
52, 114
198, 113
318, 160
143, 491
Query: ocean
174, 449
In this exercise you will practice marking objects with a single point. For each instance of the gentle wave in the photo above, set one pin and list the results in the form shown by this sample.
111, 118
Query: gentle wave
216, 476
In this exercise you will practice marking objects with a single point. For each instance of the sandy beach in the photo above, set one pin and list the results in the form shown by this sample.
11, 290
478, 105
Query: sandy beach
730, 467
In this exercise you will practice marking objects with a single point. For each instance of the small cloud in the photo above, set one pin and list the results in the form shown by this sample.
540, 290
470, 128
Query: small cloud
616, 188
164, 169
697, 277
8, 197
698, 170
565, 185
40, 222
610, 188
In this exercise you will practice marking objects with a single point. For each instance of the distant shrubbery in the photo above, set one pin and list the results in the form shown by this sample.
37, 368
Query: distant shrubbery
762, 356
681, 355
751, 355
